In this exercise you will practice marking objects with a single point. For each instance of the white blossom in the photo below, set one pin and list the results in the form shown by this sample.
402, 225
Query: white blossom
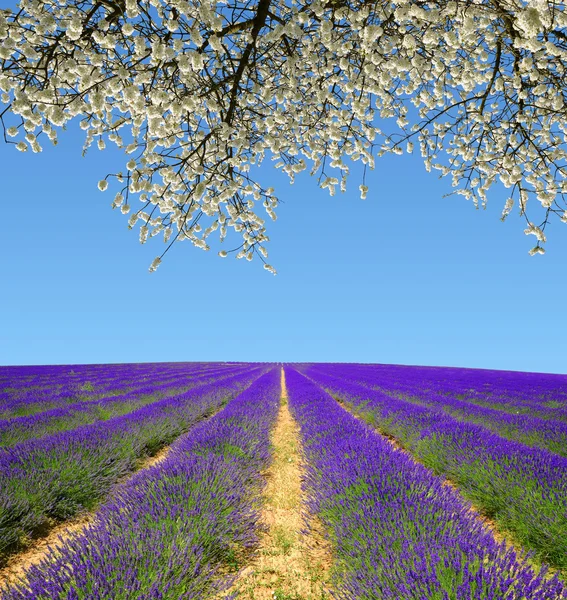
155, 264
462, 82
535, 230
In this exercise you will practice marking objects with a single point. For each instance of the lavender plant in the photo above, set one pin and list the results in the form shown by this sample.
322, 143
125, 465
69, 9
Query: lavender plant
53, 478
397, 531
523, 489
17, 430
164, 534
29, 390
539, 394
549, 433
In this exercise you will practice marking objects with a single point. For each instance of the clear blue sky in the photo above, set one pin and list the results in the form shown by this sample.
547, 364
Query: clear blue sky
405, 277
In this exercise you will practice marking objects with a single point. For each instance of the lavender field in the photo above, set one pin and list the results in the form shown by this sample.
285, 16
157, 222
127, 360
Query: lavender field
148, 481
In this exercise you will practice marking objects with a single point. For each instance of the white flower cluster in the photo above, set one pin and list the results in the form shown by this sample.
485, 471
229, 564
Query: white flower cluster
202, 92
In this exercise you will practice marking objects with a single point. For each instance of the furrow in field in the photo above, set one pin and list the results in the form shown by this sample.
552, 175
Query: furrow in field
293, 558
170, 531
396, 530
520, 488
46, 481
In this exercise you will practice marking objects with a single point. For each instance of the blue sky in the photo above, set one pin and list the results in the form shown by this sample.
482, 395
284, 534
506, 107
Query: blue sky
405, 277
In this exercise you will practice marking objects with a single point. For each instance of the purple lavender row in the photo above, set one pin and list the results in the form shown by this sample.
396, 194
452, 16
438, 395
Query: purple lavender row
164, 533
34, 403
523, 489
106, 377
550, 404
471, 384
92, 384
48, 480
81, 387
536, 388
541, 395
19, 429
96, 391
48, 374
73, 375
526, 429
34, 400
397, 531
551, 409
133, 386
554, 407
547, 400
483, 381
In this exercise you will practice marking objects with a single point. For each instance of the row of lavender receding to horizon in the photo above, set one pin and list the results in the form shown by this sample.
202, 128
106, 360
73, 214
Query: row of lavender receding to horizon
397, 531
166, 532
20, 397
546, 429
48, 480
71, 415
513, 391
522, 488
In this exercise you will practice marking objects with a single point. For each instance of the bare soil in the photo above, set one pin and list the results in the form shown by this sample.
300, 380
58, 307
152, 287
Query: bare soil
288, 564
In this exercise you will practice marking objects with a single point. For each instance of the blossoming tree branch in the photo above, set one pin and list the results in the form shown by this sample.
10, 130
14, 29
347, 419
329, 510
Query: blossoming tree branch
205, 90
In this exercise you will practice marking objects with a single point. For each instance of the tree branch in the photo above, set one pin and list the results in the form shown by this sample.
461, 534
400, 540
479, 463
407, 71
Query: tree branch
259, 20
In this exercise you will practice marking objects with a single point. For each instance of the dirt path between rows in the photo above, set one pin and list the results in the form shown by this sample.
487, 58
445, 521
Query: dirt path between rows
289, 564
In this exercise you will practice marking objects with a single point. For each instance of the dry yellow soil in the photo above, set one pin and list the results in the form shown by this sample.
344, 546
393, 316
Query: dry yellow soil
288, 565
